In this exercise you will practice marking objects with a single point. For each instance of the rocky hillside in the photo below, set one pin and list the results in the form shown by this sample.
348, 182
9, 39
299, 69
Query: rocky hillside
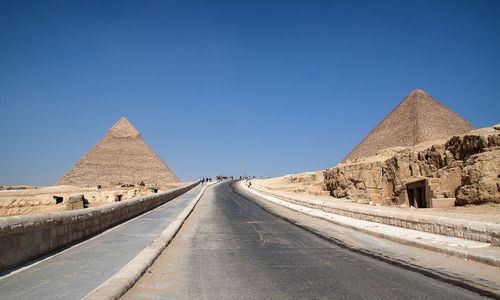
464, 169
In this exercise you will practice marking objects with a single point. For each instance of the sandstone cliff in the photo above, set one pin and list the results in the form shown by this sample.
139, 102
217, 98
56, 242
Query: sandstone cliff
464, 169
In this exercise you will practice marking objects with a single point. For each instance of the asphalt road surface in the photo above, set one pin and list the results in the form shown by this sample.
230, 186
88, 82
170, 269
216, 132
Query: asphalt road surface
230, 248
74, 273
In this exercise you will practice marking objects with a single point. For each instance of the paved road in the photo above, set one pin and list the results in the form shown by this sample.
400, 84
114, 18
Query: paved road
230, 248
74, 273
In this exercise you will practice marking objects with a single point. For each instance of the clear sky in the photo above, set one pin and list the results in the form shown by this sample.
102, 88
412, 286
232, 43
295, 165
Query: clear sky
226, 87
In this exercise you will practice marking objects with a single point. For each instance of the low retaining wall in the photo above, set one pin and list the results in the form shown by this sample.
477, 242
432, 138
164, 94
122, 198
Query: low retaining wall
23, 238
470, 230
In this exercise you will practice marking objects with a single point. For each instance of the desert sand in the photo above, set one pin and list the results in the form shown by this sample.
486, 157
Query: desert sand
39, 200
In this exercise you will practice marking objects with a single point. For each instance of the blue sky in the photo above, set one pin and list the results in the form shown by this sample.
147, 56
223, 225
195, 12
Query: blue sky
226, 87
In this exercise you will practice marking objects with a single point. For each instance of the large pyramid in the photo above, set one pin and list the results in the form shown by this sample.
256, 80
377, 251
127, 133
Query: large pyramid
120, 157
418, 118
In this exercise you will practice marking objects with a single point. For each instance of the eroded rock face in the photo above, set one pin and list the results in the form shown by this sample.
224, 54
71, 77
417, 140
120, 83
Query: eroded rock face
464, 167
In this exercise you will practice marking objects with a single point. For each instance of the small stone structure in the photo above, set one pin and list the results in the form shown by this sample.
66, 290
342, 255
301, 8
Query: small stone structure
465, 169
76, 202
418, 193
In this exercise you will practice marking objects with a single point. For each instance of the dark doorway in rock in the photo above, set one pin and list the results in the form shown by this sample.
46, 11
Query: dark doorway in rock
58, 199
416, 194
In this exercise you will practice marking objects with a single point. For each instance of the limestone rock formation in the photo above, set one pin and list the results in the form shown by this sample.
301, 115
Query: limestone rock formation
418, 118
120, 157
464, 169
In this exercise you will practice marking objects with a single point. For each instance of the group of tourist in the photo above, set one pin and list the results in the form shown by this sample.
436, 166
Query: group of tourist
203, 180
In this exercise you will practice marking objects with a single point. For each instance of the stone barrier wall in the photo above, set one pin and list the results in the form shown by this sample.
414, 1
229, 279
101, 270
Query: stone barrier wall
23, 238
470, 230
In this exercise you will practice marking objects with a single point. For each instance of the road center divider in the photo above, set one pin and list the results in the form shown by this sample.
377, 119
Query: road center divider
126, 277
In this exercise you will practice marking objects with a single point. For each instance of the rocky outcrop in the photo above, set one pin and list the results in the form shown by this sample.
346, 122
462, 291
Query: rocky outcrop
465, 169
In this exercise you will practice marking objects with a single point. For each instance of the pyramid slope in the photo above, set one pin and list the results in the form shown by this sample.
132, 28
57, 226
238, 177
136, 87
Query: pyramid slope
120, 157
418, 118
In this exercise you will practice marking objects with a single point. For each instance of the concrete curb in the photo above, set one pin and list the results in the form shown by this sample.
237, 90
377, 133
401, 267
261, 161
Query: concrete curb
126, 277
486, 258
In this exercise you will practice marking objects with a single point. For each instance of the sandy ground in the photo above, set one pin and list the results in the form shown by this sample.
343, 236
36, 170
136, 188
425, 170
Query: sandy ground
309, 185
24, 200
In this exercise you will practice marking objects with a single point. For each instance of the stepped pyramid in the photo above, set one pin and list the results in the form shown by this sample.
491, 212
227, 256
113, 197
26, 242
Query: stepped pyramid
120, 157
418, 118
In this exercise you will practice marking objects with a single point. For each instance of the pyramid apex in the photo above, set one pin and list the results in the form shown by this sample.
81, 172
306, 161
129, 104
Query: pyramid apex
123, 128
417, 92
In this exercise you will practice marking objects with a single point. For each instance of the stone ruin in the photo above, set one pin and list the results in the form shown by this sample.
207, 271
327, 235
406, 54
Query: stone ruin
462, 169
76, 202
